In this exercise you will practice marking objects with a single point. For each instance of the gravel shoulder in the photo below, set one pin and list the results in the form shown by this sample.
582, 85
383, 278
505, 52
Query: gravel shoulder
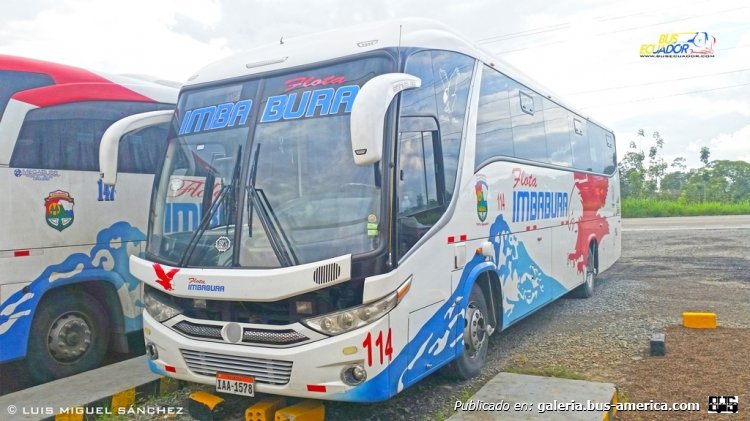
660, 275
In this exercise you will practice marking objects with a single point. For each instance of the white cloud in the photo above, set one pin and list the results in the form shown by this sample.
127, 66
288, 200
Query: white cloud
132, 37
729, 146
569, 46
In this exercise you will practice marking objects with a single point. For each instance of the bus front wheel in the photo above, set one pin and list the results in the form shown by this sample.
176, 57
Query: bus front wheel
67, 336
476, 338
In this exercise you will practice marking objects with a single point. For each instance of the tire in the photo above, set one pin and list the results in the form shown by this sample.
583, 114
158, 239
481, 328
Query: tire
476, 338
69, 335
586, 289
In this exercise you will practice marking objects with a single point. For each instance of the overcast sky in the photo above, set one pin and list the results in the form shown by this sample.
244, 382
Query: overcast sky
585, 50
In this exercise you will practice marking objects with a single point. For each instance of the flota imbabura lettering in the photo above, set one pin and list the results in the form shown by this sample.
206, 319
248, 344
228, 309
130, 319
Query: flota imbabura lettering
195, 284
531, 205
317, 103
320, 102
216, 117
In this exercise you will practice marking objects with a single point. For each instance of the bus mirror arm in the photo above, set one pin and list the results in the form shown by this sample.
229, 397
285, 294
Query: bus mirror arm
109, 146
368, 114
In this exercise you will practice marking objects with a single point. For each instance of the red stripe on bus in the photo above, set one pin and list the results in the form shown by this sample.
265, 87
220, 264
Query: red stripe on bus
170, 368
60, 73
463, 237
451, 239
316, 388
47, 96
21, 253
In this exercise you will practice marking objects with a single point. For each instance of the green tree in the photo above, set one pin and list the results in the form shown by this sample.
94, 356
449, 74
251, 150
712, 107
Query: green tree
705, 154
632, 172
735, 176
672, 185
679, 164
657, 167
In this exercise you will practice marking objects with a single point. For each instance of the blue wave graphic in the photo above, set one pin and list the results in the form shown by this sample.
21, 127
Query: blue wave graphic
107, 261
441, 338
531, 288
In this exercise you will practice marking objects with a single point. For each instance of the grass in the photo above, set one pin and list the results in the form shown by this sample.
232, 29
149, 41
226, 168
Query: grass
559, 372
643, 208
149, 400
465, 395
622, 395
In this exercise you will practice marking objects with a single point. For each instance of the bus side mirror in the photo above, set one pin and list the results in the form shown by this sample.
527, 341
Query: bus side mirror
368, 114
109, 146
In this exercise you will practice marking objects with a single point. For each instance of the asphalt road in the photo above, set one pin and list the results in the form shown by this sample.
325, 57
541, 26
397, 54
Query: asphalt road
687, 223
668, 265
13, 375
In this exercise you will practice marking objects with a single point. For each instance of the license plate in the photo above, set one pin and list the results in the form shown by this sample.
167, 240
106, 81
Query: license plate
235, 384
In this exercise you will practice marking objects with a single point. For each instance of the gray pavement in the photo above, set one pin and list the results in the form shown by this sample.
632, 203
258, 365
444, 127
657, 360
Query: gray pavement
42, 401
687, 223
669, 272
523, 397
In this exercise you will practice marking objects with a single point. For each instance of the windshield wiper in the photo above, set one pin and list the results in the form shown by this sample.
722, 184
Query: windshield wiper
209, 207
279, 243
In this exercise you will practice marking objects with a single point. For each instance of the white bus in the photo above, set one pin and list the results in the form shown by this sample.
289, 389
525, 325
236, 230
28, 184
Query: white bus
384, 198
66, 294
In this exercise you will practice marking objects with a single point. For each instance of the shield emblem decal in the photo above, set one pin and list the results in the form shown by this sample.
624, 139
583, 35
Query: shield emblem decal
482, 191
59, 210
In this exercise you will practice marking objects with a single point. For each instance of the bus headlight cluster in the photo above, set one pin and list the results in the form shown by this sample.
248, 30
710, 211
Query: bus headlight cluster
356, 317
158, 305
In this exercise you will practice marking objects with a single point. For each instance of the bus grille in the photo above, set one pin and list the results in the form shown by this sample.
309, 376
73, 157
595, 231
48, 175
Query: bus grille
326, 273
273, 337
249, 335
200, 331
275, 372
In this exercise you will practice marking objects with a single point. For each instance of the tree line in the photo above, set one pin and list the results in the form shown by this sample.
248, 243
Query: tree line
646, 175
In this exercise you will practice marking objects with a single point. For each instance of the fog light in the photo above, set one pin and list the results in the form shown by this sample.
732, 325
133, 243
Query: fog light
354, 375
151, 351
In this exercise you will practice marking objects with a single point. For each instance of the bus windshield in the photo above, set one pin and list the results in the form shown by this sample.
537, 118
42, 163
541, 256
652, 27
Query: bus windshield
277, 152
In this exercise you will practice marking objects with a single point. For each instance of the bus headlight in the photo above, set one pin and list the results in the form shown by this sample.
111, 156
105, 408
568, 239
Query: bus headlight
356, 317
159, 306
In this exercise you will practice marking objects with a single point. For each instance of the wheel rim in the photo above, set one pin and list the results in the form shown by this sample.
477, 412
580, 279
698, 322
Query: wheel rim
69, 337
475, 331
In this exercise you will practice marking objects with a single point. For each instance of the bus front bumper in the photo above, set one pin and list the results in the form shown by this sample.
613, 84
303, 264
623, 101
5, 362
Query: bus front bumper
311, 370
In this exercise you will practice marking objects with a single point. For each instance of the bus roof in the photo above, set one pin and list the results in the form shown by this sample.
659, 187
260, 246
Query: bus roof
73, 83
303, 50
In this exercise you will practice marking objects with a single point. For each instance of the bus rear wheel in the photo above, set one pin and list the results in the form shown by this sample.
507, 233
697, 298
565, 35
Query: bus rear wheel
586, 289
67, 336
476, 338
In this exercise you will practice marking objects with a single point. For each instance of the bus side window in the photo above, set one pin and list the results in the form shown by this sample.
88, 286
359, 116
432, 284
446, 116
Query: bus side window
494, 136
66, 136
140, 151
446, 77
421, 186
579, 138
527, 124
602, 149
14, 81
557, 128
